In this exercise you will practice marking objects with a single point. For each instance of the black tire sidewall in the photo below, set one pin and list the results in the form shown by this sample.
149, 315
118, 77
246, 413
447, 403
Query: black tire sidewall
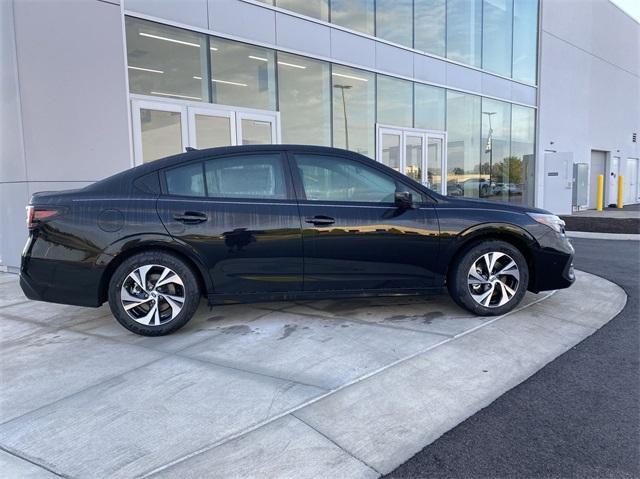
182, 269
458, 287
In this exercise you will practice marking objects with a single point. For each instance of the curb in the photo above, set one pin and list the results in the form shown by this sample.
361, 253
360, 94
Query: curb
604, 236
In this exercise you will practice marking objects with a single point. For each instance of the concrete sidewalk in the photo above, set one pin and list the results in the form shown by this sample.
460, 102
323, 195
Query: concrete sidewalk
347, 388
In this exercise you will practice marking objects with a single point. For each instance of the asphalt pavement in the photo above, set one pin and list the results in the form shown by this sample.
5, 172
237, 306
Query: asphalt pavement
578, 417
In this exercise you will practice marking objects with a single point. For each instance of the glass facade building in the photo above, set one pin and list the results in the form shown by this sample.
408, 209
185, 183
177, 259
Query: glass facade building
269, 95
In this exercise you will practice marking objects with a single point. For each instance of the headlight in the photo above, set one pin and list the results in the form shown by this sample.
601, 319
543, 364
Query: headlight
552, 221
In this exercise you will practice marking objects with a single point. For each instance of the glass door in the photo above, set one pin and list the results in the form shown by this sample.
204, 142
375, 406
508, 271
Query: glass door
436, 169
164, 128
257, 129
159, 130
210, 128
419, 154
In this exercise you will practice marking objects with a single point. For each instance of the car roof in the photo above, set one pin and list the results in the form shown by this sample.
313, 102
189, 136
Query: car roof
224, 150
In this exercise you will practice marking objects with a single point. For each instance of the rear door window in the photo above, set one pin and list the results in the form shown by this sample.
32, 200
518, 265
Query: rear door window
187, 180
259, 176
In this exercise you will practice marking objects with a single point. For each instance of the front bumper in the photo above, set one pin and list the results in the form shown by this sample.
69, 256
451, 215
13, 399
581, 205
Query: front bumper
552, 263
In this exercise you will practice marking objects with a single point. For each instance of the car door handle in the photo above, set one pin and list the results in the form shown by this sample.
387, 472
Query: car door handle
191, 217
320, 220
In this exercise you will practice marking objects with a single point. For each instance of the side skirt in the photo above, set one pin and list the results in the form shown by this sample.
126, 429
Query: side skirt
222, 298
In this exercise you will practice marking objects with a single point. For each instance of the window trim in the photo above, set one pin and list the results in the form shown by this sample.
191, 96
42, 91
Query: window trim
289, 189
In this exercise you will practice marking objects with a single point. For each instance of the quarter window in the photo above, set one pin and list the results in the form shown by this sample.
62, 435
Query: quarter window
339, 179
251, 177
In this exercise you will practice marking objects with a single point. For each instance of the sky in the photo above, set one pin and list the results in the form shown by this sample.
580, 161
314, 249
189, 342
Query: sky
632, 7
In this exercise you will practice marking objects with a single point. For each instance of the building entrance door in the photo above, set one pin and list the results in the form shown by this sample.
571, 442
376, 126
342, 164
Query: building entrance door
162, 128
419, 154
631, 190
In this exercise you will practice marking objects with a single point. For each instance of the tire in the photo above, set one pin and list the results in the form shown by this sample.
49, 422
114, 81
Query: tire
134, 302
481, 293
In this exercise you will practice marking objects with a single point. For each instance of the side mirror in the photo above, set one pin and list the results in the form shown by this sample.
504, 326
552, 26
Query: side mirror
404, 200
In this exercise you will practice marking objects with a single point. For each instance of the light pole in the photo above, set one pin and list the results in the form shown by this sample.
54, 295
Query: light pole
344, 110
489, 146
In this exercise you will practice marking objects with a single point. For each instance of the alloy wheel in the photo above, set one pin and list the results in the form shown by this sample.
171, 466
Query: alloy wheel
493, 279
152, 295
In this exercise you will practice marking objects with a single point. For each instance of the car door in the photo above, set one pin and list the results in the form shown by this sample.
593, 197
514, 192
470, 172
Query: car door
238, 214
354, 235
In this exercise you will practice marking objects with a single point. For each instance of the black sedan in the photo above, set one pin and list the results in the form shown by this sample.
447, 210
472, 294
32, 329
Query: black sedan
255, 223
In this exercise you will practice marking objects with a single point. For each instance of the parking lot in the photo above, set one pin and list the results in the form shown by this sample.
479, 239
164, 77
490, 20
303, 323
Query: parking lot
334, 388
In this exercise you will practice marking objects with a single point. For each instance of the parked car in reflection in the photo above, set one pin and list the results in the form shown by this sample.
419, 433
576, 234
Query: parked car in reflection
512, 189
478, 187
279, 222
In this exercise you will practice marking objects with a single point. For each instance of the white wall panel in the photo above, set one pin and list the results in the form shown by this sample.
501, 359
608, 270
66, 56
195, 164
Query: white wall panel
350, 48
73, 89
394, 60
299, 34
190, 12
242, 19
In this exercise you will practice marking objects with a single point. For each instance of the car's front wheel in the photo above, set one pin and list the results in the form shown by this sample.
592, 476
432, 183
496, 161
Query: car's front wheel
153, 293
489, 278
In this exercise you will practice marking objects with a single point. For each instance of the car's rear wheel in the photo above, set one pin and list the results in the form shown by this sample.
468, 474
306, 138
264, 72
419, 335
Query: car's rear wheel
153, 293
489, 278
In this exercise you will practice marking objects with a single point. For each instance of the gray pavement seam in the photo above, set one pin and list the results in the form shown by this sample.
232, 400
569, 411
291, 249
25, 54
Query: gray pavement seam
332, 441
35, 463
256, 426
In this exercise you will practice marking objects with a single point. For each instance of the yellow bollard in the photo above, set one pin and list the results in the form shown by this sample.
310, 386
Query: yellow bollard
600, 193
620, 203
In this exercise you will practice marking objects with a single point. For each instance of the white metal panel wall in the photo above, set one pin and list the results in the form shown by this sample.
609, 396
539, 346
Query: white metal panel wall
589, 82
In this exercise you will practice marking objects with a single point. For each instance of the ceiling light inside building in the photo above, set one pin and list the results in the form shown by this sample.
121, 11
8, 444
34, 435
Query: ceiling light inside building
177, 96
151, 70
292, 65
349, 76
166, 39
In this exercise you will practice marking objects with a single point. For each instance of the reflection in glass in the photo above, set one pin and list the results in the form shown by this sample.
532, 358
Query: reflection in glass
304, 100
163, 61
312, 8
496, 36
522, 158
429, 25
414, 154
391, 150
496, 145
340, 179
354, 14
161, 134
394, 21
212, 131
463, 144
256, 132
429, 107
434, 164
525, 40
354, 114
186, 180
242, 75
464, 25
395, 101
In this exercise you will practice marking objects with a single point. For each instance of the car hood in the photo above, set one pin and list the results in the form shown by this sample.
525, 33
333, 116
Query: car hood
493, 205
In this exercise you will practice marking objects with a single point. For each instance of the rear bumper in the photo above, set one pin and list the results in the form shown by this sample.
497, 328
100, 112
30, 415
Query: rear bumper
56, 282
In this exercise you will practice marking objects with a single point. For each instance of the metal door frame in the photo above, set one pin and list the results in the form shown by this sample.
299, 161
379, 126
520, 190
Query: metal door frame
188, 110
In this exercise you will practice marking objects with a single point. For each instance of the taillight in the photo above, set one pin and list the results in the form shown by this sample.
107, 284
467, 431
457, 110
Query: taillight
36, 215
